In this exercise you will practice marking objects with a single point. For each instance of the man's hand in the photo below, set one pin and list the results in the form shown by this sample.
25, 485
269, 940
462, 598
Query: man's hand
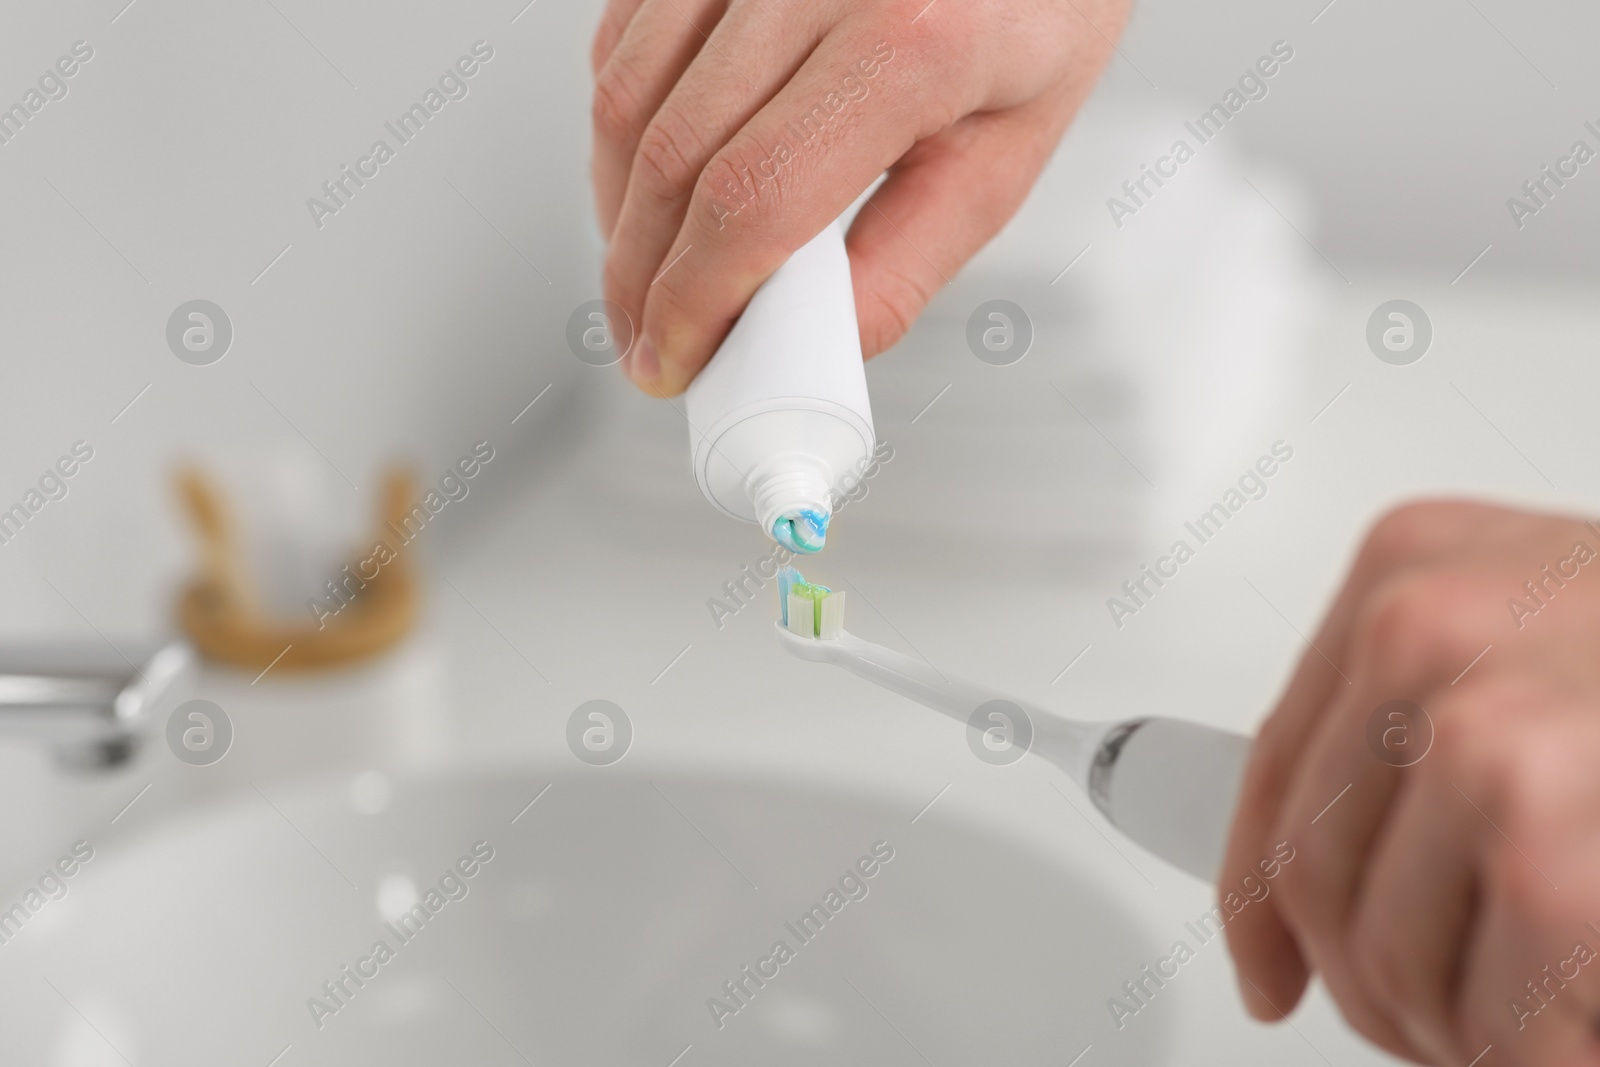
727, 134
1448, 893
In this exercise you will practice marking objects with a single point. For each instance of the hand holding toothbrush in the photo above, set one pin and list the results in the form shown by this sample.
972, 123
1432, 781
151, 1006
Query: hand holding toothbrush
1449, 893
730, 132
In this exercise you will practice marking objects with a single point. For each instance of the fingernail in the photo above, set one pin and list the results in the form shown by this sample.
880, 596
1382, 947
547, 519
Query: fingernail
644, 365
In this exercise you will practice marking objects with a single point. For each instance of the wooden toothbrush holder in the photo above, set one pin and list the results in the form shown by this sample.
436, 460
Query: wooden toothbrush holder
220, 611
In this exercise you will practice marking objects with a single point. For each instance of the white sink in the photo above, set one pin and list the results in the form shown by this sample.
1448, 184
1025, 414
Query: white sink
611, 911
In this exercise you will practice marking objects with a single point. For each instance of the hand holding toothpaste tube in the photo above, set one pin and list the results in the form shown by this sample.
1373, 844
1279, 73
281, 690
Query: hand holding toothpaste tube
728, 134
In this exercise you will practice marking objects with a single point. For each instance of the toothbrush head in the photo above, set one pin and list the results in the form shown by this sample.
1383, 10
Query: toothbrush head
809, 610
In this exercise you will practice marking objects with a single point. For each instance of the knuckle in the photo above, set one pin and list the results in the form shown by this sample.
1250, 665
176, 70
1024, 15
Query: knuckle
615, 108
896, 299
946, 103
1470, 743
738, 206
610, 113
1419, 619
1415, 531
743, 176
1505, 758
942, 59
880, 330
665, 164
1521, 768
1394, 621
1402, 535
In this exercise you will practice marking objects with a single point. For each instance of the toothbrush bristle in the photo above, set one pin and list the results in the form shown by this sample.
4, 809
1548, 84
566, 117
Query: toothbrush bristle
807, 609
786, 579
799, 616
830, 619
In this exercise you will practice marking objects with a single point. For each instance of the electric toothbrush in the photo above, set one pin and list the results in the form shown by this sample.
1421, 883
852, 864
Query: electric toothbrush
1167, 784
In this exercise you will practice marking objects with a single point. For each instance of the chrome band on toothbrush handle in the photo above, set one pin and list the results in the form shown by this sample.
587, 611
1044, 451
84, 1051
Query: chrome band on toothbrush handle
1170, 785
1104, 764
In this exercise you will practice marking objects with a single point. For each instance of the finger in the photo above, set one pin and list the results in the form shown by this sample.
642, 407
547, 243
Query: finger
1415, 627
1272, 973
855, 107
1415, 905
608, 31
664, 157
657, 45
1332, 816
1531, 983
941, 203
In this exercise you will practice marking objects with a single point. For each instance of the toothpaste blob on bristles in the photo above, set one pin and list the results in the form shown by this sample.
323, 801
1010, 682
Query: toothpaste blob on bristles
801, 531
809, 610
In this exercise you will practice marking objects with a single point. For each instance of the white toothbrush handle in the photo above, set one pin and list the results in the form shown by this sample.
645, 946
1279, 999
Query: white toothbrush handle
909, 677
1168, 784
1069, 745
1171, 786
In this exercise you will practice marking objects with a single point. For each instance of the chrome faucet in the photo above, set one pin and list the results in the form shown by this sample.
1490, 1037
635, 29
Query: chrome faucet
91, 705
